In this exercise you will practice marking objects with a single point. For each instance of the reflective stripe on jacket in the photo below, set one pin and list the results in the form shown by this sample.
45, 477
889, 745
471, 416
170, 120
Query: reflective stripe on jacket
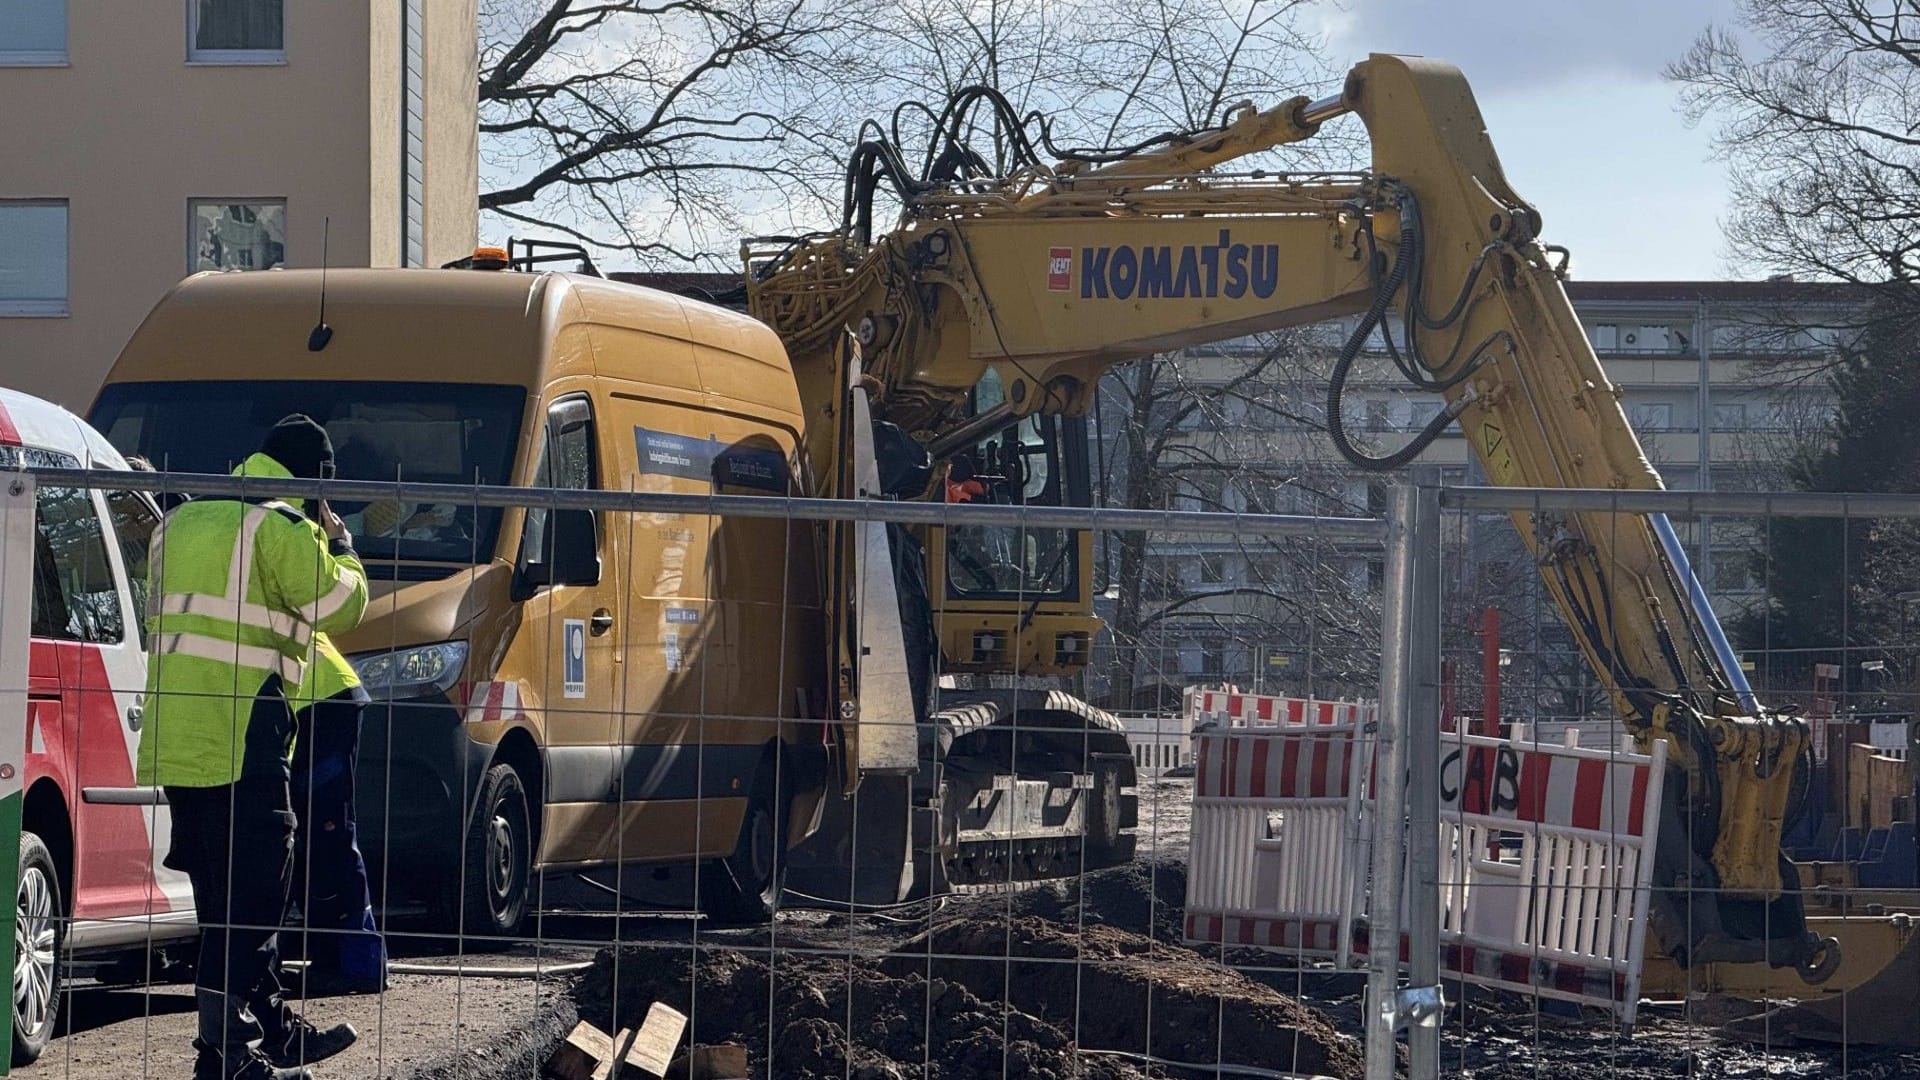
240, 591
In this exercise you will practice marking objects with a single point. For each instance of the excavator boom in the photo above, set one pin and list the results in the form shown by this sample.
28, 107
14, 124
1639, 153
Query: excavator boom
1041, 280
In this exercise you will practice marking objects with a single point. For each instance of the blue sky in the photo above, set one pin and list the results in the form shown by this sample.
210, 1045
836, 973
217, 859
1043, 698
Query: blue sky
1586, 128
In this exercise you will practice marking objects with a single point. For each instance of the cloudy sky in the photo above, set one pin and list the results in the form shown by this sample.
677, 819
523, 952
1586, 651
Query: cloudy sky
1586, 128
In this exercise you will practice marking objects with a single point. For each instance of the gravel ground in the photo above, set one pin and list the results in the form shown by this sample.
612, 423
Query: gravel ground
423, 1026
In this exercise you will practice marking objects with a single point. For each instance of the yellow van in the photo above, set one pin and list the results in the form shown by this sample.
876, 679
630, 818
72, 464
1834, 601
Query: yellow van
557, 690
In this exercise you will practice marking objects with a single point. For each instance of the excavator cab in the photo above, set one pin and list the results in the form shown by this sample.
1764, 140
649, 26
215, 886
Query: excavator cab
1013, 599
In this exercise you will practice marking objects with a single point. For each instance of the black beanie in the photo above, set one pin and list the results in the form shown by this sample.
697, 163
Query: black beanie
300, 444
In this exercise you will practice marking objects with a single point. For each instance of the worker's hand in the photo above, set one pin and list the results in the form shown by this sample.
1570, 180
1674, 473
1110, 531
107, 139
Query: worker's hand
330, 522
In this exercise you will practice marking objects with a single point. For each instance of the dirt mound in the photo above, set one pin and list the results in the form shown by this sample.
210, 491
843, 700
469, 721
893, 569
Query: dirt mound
1146, 897
834, 1017
1118, 990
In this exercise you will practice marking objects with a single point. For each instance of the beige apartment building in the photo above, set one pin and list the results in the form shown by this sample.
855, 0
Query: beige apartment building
1713, 376
145, 140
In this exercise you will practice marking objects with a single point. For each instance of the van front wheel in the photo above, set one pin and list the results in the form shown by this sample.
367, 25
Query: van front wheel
36, 958
497, 871
744, 888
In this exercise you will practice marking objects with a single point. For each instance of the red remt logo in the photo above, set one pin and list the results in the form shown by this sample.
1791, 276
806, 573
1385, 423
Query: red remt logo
1059, 269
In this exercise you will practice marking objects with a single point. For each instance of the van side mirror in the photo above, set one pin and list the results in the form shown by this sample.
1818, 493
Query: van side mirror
570, 553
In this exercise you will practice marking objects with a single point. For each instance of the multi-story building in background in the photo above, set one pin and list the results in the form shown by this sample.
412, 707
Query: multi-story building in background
143, 141
1719, 380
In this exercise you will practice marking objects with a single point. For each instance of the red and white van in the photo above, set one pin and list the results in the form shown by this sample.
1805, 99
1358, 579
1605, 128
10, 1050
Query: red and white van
91, 841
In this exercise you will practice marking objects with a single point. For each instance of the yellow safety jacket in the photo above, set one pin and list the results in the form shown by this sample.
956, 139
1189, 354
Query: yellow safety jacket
239, 592
328, 673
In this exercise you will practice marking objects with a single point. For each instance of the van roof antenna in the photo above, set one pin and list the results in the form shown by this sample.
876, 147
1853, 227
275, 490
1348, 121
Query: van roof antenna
322, 333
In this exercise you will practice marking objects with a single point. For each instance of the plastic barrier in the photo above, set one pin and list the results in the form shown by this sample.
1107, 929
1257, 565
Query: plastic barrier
1547, 851
1562, 910
1277, 856
1229, 707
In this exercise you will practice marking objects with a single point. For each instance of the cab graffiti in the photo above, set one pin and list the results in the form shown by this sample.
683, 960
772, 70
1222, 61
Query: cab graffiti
1196, 271
1484, 780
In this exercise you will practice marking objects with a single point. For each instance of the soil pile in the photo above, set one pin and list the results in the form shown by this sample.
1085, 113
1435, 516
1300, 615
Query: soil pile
834, 1017
1118, 990
1146, 896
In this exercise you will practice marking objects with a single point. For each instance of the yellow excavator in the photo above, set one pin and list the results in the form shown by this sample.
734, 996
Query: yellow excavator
982, 323
544, 673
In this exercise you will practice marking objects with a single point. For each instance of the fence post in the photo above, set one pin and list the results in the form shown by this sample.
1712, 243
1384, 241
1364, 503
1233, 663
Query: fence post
1423, 1001
1390, 798
16, 605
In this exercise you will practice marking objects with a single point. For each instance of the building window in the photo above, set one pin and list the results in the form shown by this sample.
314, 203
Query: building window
33, 259
33, 32
1213, 569
236, 32
1423, 413
1731, 417
1646, 339
227, 235
1379, 415
1655, 416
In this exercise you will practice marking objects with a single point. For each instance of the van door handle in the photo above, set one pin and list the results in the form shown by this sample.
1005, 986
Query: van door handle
136, 712
601, 622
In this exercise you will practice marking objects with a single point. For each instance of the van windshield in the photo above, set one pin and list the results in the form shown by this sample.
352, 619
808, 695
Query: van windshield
422, 432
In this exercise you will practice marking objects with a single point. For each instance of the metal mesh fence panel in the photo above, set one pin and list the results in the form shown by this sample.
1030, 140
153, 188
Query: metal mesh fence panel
628, 786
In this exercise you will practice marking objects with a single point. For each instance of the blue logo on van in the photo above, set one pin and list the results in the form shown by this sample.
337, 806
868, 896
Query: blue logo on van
573, 661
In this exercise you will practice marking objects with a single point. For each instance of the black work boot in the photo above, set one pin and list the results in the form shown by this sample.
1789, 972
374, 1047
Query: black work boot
304, 1044
223, 1053
240, 1065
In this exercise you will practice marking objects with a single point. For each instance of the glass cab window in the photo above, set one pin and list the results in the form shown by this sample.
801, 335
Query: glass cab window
74, 598
566, 461
134, 521
1034, 461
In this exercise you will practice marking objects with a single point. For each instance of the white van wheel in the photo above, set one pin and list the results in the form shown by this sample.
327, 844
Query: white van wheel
36, 944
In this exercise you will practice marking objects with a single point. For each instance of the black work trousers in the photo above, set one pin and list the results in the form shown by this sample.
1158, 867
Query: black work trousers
329, 871
235, 843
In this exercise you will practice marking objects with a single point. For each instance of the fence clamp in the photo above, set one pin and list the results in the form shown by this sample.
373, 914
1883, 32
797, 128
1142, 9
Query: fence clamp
1414, 1006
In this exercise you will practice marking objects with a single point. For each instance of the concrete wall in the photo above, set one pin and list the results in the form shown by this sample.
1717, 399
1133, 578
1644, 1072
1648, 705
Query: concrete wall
453, 132
128, 131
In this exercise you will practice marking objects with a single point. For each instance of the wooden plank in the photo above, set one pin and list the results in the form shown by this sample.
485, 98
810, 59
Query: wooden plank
652, 1051
581, 1055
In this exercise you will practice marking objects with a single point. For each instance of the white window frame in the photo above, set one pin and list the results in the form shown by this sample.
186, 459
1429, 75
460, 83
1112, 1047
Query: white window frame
198, 57
44, 309
40, 57
193, 222
1634, 413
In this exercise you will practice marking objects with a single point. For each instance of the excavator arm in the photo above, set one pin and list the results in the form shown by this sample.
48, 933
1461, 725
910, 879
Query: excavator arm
1049, 275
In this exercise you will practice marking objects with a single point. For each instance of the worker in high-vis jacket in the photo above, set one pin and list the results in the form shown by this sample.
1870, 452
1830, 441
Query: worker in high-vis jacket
343, 948
239, 588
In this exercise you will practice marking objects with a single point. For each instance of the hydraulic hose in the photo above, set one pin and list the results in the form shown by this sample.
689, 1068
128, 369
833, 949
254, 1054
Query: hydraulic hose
1343, 367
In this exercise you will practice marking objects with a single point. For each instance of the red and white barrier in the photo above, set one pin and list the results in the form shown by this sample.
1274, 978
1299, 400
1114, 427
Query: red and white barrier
1277, 852
1229, 707
1562, 912
1546, 851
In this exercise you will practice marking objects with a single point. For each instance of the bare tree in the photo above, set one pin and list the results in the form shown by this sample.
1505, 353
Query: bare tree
658, 127
667, 129
1235, 429
1819, 118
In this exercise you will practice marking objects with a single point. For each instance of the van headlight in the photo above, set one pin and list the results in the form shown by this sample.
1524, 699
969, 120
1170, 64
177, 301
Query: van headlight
412, 672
